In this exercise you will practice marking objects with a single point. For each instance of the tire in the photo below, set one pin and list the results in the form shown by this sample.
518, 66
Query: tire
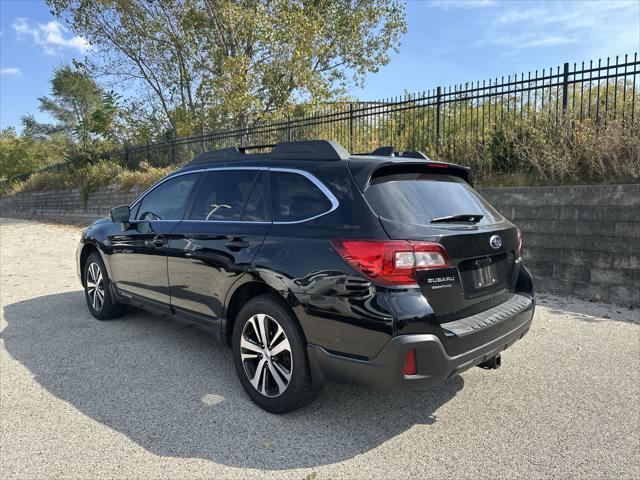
97, 291
258, 367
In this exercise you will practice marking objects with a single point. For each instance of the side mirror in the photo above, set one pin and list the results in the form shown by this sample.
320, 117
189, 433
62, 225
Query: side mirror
120, 214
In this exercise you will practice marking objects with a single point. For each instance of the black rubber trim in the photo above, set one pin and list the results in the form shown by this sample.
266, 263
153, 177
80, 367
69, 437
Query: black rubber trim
479, 321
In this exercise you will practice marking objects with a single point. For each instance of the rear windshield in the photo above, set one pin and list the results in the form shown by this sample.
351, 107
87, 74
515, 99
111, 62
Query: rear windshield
421, 198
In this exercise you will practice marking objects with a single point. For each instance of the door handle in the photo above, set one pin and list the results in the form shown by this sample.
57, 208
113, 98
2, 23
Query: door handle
157, 241
203, 237
236, 242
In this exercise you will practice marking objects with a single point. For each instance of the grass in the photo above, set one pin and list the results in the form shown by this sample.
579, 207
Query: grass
551, 153
91, 177
529, 152
144, 177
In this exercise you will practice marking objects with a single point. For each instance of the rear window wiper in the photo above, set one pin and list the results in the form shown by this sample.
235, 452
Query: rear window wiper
463, 217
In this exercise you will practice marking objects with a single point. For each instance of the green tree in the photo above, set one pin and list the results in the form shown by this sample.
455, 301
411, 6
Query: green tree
24, 154
212, 63
74, 97
82, 112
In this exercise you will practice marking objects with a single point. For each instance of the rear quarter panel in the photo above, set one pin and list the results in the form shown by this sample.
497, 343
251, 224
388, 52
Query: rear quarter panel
337, 307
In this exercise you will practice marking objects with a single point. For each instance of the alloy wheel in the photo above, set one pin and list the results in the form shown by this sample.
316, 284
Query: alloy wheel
266, 355
95, 286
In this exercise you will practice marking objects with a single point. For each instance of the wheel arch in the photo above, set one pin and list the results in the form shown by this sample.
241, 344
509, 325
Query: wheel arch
254, 288
87, 249
241, 295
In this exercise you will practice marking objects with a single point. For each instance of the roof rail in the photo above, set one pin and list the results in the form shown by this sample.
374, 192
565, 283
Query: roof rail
304, 150
389, 151
222, 154
311, 150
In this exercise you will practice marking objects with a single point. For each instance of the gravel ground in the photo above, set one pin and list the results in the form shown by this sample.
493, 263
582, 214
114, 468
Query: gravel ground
145, 397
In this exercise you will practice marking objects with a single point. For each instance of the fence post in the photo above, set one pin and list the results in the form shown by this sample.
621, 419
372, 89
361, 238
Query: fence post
148, 154
351, 127
565, 87
173, 151
126, 156
289, 132
438, 103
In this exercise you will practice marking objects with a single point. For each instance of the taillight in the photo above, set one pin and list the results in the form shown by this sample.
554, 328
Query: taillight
519, 251
393, 262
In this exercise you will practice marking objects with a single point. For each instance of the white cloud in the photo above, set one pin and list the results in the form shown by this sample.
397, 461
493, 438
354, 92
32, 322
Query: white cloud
548, 41
51, 36
10, 71
602, 28
446, 4
530, 40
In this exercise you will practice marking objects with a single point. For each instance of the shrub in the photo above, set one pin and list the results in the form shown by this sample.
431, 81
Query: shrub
44, 181
546, 151
580, 152
144, 177
537, 150
98, 174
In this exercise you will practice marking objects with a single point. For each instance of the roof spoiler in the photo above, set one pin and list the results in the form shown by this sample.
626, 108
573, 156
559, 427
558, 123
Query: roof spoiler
402, 160
412, 161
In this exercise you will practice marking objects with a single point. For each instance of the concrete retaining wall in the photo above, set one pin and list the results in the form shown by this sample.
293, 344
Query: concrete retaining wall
65, 206
579, 240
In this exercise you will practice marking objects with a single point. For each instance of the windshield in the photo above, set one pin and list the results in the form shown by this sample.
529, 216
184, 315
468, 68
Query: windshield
422, 198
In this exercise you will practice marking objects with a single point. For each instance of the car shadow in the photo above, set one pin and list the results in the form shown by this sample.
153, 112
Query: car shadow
173, 390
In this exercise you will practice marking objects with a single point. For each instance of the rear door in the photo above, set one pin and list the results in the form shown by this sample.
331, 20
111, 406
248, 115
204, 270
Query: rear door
139, 254
445, 209
219, 237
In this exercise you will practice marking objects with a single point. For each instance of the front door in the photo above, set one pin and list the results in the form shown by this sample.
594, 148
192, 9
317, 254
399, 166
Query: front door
139, 254
218, 239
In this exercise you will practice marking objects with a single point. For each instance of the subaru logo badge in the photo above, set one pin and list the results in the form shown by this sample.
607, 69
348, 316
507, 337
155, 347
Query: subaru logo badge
495, 241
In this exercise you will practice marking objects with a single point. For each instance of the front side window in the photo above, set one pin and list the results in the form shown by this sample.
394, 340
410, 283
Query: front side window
223, 195
296, 198
168, 201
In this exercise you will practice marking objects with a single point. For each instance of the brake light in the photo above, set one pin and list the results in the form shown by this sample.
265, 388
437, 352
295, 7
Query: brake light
519, 252
437, 165
410, 363
392, 262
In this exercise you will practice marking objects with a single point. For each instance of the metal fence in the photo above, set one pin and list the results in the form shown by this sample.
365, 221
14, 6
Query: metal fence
441, 121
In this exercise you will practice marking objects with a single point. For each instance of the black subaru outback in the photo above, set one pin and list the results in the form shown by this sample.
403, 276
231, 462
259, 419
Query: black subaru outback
313, 264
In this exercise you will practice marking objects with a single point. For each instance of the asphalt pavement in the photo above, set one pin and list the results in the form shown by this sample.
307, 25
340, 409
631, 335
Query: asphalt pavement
146, 397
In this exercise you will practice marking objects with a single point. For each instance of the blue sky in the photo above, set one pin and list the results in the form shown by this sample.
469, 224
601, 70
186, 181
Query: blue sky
448, 41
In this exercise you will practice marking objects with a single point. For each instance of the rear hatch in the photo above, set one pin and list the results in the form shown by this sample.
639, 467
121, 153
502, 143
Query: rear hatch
434, 204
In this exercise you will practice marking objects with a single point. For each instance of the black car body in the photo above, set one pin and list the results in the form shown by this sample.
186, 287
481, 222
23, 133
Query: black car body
396, 273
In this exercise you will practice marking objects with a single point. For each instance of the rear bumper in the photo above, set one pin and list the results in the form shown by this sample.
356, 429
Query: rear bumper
434, 364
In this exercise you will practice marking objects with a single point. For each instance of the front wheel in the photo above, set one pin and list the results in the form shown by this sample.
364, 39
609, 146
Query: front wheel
270, 358
97, 290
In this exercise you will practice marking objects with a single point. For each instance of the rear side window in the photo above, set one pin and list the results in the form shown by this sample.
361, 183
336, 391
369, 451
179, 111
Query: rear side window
296, 198
419, 199
255, 210
168, 201
223, 194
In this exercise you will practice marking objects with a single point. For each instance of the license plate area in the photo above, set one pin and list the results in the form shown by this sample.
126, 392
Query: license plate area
485, 273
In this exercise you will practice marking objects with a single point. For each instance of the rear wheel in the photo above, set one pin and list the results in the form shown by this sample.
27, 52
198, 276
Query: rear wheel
97, 290
270, 356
